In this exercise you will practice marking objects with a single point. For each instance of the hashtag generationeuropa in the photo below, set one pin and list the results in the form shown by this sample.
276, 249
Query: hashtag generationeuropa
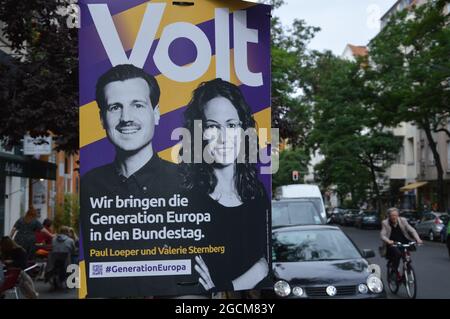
145, 268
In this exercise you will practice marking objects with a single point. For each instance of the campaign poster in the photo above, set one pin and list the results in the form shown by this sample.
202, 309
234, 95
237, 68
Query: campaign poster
174, 147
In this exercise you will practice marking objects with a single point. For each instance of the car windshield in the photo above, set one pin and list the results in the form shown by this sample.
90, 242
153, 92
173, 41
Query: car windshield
312, 245
299, 212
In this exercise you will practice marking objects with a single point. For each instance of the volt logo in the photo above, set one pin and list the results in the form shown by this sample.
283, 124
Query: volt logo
146, 35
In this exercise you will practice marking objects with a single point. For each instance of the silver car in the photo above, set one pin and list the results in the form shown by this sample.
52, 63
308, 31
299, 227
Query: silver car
431, 224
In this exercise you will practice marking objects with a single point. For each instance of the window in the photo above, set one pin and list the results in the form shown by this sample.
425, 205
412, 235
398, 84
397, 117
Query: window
66, 165
423, 153
410, 157
68, 185
400, 156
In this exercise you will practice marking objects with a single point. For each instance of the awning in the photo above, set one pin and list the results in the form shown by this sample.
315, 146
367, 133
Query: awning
412, 186
18, 165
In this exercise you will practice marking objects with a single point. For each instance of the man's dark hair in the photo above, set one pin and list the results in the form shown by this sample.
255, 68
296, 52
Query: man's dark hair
124, 72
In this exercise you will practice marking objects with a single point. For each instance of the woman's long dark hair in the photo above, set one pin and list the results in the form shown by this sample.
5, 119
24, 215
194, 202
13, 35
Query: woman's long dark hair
200, 176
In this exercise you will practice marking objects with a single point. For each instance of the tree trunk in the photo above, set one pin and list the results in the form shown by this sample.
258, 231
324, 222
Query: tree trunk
439, 168
376, 189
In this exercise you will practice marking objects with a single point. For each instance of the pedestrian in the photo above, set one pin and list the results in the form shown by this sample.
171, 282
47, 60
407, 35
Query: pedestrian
63, 247
14, 256
24, 231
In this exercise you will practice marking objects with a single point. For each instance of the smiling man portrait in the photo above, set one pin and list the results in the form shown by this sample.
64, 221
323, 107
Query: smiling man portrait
128, 101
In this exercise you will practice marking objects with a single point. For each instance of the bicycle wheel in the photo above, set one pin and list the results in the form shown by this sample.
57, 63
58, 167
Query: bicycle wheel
410, 282
392, 279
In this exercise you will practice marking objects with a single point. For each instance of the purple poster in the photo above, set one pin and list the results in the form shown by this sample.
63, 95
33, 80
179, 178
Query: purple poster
174, 138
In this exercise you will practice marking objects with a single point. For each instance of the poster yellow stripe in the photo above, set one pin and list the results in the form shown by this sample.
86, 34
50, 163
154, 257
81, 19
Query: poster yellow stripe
82, 291
128, 22
91, 129
173, 96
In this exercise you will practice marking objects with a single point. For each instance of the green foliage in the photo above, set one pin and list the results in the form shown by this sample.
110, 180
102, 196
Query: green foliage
357, 149
75, 213
68, 213
409, 76
39, 81
290, 160
289, 58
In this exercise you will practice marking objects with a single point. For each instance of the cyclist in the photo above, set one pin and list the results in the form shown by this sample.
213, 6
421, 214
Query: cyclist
396, 229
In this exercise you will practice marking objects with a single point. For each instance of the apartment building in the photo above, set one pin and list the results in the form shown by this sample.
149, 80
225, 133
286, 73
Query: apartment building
413, 176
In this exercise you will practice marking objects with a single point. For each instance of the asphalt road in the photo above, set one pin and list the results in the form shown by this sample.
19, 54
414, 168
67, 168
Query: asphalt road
431, 263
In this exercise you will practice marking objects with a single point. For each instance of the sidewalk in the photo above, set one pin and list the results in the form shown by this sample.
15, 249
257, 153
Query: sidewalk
46, 291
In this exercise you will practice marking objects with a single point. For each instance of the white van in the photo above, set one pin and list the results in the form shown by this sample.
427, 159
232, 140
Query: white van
302, 193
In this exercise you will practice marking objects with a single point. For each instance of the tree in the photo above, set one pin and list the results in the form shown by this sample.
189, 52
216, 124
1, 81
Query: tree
357, 149
409, 74
39, 84
290, 160
344, 176
289, 57
67, 213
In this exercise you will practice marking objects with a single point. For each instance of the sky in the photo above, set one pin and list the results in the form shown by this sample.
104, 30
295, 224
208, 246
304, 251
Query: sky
342, 21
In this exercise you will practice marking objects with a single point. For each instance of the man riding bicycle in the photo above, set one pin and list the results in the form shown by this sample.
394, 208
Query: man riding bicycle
396, 229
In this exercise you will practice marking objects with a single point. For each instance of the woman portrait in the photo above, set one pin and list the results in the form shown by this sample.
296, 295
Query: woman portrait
223, 181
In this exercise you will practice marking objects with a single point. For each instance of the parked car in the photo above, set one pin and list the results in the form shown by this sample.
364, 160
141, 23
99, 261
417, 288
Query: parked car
350, 216
340, 219
431, 224
337, 215
368, 219
296, 212
411, 216
320, 261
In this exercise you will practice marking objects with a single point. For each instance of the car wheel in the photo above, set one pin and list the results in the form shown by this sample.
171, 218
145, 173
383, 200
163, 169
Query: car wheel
431, 235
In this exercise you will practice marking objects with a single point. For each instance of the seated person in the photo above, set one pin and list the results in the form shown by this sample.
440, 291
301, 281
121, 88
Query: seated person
63, 247
14, 256
44, 239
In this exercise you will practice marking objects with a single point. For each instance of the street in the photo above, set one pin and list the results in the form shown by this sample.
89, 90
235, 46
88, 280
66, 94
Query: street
431, 264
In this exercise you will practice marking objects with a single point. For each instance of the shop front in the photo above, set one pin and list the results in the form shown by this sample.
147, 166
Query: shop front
17, 173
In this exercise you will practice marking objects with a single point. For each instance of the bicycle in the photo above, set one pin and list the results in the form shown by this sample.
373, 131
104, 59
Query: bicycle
407, 276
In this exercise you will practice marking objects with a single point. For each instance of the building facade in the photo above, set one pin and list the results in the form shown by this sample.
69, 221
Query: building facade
413, 178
